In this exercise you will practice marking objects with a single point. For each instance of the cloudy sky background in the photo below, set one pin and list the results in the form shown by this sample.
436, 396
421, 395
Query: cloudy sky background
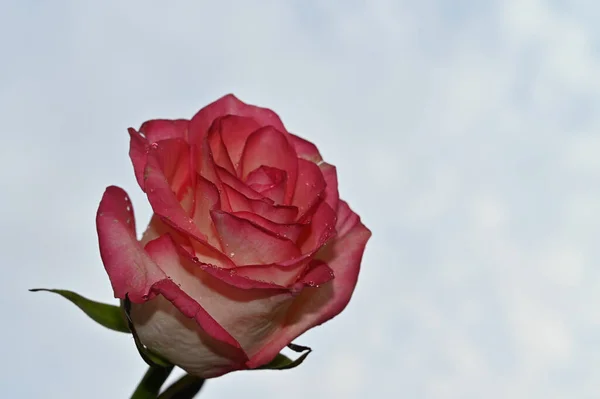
466, 134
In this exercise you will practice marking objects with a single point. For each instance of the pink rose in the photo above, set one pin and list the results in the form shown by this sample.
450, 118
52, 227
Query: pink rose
249, 245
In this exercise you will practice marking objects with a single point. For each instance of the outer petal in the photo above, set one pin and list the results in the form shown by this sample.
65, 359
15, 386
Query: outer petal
248, 315
270, 147
315, 306
163, 129
130, 269
305, 149
138, 152
231, 105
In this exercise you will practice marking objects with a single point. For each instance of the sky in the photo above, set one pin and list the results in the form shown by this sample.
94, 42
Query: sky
465, 133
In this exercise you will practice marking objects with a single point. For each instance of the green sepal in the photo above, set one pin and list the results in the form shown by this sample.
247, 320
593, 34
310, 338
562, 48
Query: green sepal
186, 387
151, 358
282, 362
109, 316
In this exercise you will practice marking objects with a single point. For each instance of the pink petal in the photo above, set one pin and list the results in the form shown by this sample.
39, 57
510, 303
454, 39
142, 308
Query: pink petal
232, 181
219, 151
319, 230
290, 231
283, 275
309, 188
166, 205
270, 147
317, 274
234, 131
275, 213
138, 152
305, 149
331, 191
248, 244
248, 315
269, 182
173, 156
206, 200
164, 129
315, 306
130, 269
231, 105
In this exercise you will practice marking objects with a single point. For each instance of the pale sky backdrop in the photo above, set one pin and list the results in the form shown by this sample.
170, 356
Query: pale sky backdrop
466, 134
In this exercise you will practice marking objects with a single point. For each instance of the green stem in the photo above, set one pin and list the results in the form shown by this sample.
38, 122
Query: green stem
184, 388
149, 386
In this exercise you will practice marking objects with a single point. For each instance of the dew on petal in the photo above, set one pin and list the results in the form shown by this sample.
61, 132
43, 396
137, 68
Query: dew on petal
154, 146
232, 254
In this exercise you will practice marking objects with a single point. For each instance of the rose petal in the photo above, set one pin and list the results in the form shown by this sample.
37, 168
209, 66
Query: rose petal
234, 131
219, 151
331, 190
315, 306
138, 152
231, 105
249, 315
319, 230
173, 156
305, 149
309, 188
290, 231
317, 274
275, 213
130, 270
166, 205
163, 129
206, 200
270, 147
248, 244
269, 182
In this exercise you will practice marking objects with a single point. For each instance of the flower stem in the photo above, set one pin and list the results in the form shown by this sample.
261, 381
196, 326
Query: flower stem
185, 388
149, 386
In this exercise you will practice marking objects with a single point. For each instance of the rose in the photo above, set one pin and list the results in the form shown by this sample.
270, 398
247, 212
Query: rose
249, 245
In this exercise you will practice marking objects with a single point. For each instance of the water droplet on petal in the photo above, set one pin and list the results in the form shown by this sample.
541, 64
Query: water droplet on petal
154, 146
232, 254
126, 199
128, 208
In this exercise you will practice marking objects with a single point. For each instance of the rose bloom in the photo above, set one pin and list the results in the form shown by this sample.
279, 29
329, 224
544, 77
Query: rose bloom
249, 245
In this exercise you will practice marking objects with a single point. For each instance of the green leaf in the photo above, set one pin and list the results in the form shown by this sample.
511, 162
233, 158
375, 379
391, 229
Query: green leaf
282, 362
151, 359
149, 386
184, 388
109, 316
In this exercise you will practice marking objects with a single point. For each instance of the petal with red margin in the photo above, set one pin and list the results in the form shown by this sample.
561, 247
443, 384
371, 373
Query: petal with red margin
138, 152
235, 183
309, 189
173, 156
234, 131
305, 149
318, 273
332, 196
319, 230
231, 105
206, 200
219, 150
130, 270
248, 315
290, 231
270, 147
166, 205
275, 213
269, 182
248, 244
281, 275
163, 129
315, 306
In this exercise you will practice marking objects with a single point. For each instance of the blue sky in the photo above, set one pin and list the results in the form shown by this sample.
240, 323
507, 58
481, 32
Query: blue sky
466, 136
